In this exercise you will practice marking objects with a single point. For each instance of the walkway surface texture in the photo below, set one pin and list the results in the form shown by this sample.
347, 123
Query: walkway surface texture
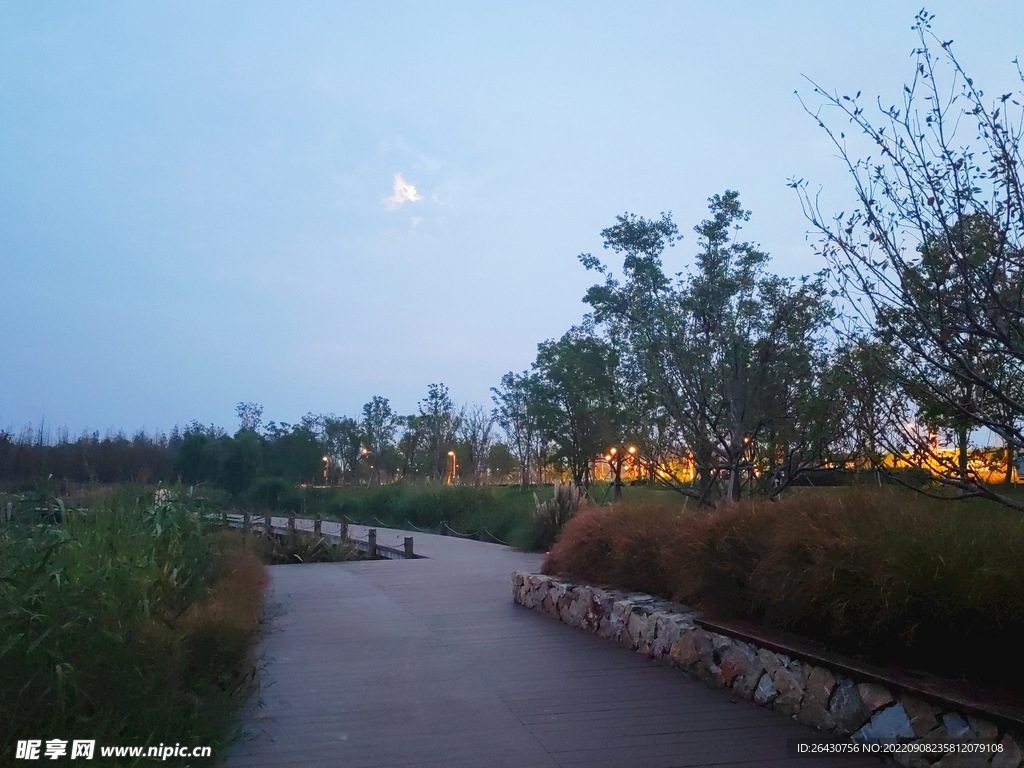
429, 662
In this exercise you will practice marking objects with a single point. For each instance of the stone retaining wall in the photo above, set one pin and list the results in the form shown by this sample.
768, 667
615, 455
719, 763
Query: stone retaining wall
863, 711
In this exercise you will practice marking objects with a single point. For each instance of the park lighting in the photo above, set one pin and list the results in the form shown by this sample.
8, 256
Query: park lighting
452, 466
615, 459
327, 463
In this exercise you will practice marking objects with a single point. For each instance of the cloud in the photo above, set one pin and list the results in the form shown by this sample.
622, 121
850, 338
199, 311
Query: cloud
403, 192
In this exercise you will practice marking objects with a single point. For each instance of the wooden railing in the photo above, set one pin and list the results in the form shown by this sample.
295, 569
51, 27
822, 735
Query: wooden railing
293, 525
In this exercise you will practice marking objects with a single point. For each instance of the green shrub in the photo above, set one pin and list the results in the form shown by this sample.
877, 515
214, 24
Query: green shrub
277, 549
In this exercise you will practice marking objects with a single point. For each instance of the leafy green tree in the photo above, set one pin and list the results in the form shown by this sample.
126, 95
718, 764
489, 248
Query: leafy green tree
439, 422
501, 462
200, 459
578, 401
293, 452
410, 444
735, 355
379, 424
244, 461
515, 411
347, 441
250, 416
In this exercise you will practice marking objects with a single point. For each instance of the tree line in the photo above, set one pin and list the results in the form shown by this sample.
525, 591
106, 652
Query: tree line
726, 378
899, 353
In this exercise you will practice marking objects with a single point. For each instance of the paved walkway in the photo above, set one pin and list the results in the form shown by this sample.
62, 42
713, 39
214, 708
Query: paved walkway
430, 663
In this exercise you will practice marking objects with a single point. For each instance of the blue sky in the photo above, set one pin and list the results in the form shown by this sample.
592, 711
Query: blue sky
194, 196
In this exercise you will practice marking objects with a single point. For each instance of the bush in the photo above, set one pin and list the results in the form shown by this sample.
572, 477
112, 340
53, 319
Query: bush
502, 513
879, 573
275, 494
278, 549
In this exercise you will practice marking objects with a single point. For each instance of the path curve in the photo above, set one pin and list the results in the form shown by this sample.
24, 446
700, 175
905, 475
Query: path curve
428, 662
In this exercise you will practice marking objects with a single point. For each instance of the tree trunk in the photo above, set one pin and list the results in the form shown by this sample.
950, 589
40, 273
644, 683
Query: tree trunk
961, 439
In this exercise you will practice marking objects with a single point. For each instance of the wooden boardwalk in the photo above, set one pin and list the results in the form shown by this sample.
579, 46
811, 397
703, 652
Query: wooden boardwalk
428, 662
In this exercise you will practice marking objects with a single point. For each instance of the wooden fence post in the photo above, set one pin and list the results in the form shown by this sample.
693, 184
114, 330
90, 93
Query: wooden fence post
443, 524
268, 525
317, 525
408, 548
246, 522
371, 540
224, 518
291, 524
343, 530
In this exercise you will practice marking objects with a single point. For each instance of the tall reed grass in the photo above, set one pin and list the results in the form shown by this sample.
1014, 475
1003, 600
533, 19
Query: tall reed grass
882, 573
125, 625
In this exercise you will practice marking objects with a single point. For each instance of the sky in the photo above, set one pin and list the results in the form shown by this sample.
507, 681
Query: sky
308, 204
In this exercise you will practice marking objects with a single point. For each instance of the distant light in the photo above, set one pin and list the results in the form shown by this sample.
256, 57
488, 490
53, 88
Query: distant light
632, 449
613, 451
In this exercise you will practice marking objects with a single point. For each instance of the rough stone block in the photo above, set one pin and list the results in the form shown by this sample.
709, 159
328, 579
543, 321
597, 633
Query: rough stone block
765, 692
890, 724
815, 714
1010, 757
938, 736
769, 660
874, 696
820, 684
984, 730
791, 691
921, 714
745, 685
957, 727
847, 709
739, 660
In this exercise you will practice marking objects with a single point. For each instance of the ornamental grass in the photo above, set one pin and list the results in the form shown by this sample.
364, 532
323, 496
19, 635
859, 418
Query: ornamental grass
882, 574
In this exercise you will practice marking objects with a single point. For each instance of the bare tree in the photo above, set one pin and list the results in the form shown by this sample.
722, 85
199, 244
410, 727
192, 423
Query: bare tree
475, 433
931, 262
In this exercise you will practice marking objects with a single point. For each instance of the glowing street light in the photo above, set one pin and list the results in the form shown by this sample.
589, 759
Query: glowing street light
452, 466
615, 458
327, 463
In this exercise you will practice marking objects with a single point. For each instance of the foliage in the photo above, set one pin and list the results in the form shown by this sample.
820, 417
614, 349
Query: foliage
735, 355
577, 398
875, 572
279, 549
550, 517
475, 440
438, 422
931, 261
379, 424
515, 411
128, 625
505, 512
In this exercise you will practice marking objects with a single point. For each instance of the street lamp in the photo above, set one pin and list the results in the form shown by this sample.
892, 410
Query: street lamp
615, 457
327, 462
450, 479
